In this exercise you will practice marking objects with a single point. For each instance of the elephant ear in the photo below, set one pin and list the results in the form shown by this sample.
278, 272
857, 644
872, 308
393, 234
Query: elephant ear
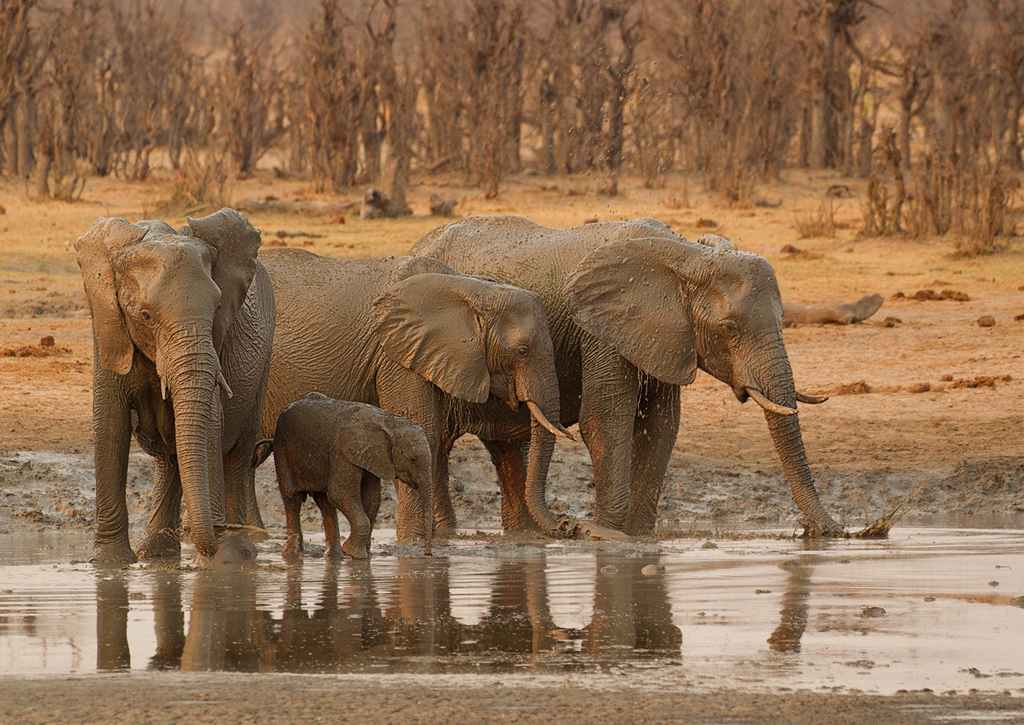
716, 242
94, 251
369, 447
237, 242
629, 294
431, 324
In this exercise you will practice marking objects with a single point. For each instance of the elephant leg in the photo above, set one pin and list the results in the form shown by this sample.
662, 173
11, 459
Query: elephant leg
607, 410
112, 432
162, 541
507, 457
350, 501
405, 393
654, 435
253, 517
292, 500
371, 497
444, 511
237, 472
332, 536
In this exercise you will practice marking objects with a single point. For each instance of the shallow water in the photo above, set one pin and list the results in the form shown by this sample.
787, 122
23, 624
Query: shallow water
928, 608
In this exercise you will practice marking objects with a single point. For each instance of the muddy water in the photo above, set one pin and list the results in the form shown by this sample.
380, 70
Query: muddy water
929, 608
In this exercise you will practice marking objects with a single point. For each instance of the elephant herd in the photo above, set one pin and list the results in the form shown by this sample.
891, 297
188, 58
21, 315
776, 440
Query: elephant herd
492, 326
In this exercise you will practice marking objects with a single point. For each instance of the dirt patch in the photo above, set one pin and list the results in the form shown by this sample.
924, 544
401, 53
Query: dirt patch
46, 347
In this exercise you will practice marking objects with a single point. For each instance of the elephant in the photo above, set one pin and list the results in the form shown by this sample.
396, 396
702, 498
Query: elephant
634, 310
182, 328
830, 313
415, 338
339, 452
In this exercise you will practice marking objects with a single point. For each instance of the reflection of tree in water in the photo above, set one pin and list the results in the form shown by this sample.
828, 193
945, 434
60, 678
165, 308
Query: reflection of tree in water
345, 628
793, 615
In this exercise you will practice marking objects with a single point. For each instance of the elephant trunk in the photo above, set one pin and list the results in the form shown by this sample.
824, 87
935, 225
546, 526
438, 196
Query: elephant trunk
540, 392
788, 440
426, 491
192, 376
542, 445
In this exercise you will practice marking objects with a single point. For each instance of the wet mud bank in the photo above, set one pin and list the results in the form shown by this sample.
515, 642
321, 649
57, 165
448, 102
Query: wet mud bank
55, 491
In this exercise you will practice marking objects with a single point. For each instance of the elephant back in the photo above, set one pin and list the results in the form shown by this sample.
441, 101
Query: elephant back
520, 252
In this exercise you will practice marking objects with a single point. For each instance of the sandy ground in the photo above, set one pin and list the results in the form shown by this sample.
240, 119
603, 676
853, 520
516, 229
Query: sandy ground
200, 699
955, 449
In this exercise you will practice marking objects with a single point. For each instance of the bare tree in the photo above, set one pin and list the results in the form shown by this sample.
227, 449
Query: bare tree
253, 117
19, 64
336, 97
1007, 21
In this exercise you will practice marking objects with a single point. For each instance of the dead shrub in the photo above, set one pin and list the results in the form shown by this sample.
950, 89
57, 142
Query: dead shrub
203, 181
822, 221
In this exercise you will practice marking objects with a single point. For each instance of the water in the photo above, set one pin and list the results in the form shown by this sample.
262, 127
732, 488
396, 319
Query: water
929, 608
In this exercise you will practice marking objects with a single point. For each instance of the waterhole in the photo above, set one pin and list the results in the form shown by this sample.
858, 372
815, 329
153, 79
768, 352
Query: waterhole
929, 608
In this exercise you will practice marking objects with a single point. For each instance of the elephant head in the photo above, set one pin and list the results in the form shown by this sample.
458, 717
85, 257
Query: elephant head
166, 300
390, 447
476, 339
670, 307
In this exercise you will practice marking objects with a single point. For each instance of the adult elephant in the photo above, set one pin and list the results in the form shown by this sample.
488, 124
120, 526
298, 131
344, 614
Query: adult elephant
182, 330
634, 310
416, 338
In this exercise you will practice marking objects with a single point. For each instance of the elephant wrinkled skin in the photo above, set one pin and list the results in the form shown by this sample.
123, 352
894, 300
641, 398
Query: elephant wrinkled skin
339, 452
634, 309
182, 330
417, 339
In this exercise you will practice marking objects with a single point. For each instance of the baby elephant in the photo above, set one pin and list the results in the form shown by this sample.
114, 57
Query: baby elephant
338, 452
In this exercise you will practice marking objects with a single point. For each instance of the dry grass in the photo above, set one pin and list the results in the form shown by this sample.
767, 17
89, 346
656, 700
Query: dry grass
38, 236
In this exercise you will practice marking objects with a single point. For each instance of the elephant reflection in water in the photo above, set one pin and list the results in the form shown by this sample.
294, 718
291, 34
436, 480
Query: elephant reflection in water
112, 652
416, 625
223, 623
402, 619
346, 626
793, 615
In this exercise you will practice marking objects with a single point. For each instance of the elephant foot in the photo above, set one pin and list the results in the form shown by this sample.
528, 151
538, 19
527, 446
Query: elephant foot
162, 544
112, 556
234, 551
356, 551
333, 552
406, 534
292, 552
865, 307
590, 531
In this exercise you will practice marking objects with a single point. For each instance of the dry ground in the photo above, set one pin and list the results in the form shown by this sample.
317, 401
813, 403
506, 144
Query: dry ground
951, 449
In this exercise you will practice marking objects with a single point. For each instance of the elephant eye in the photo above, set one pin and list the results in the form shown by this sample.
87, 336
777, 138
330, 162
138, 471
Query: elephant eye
523, 350
145, 315
729, 325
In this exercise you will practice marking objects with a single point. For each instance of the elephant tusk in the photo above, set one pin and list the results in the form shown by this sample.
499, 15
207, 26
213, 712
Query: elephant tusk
810, 399
554, 428
224, 384
163, 388
762, 400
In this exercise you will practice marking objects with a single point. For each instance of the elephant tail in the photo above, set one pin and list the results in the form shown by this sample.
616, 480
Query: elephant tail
261, 452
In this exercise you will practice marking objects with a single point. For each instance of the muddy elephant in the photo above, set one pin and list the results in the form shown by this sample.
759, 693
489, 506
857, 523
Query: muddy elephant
634, 310
417, 339
339, 452
182, 329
